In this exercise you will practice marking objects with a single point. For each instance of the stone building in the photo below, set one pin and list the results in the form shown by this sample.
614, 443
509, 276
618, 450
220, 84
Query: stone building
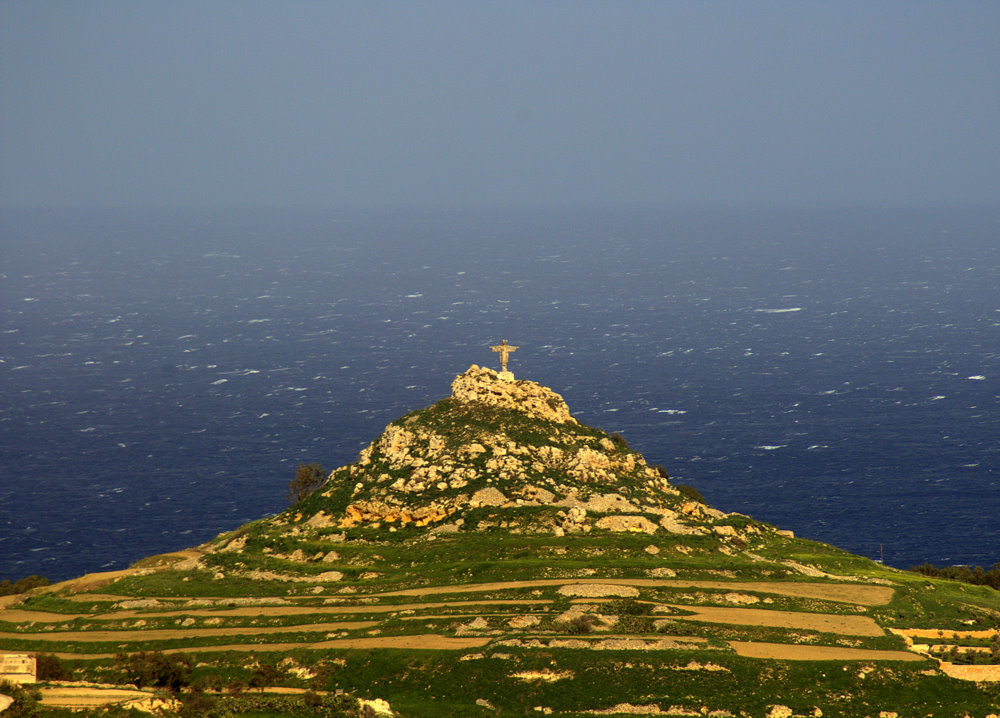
17, 667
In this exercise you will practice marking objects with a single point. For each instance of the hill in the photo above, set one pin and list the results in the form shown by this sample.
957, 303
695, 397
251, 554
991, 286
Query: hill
490, 555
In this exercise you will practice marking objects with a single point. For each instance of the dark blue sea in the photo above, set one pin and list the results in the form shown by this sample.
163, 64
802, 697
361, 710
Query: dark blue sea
162, 373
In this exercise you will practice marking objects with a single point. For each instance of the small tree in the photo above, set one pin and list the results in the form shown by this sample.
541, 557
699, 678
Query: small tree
154, 668
48, 667
308, 478
264, 675
690, 492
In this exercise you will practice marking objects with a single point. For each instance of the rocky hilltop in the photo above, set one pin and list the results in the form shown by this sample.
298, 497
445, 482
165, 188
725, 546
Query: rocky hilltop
479, 385
498, 443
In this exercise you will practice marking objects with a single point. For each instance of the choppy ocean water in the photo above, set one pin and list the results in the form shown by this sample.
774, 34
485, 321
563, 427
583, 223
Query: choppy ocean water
834, 373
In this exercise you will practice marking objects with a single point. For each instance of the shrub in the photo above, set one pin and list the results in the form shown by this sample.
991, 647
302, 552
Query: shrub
207, 682
322, 673
49, 668
630, 623
25, 698
976, 575
629, 607
22, 585
690, 492
196, 704
582, 624
172, 672
619, 440
308, 478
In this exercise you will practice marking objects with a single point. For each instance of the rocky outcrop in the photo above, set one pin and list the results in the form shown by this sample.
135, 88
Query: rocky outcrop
432, 466
636, 524
485, 386
369, 512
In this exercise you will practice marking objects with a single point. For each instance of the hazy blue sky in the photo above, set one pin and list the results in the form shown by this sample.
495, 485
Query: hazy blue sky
499, 103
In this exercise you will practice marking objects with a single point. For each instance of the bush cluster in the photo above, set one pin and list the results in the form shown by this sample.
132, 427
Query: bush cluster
976, 575
153, 668
22, 585
956, 654
49, 667
26, 700
690, 492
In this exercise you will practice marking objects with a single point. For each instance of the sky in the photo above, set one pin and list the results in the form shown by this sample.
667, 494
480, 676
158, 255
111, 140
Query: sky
432, 104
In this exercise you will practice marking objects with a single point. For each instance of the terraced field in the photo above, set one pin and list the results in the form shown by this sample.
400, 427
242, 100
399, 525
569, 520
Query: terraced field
206, 621
363, 635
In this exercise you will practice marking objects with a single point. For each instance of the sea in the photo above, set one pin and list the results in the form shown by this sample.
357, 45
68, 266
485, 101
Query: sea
831, 372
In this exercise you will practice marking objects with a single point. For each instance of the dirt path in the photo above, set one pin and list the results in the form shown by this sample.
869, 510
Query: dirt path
638, 641
77, 697
9, 599
838, 592
790, 652
970, 673
427, 641
94, 696
437, 642
90, 581
236, 647
18, 615
15, 615
819, 622
944, 633
172, 633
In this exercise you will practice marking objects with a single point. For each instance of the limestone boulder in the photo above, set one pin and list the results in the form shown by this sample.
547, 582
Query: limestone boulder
635, 524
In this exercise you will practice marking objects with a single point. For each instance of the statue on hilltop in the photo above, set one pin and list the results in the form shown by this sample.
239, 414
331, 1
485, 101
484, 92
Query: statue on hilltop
504, 349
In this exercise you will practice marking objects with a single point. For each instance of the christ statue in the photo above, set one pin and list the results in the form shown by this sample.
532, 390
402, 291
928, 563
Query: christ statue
504, 349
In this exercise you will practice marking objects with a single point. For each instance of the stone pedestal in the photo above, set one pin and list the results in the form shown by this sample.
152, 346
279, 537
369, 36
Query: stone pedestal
505, 376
